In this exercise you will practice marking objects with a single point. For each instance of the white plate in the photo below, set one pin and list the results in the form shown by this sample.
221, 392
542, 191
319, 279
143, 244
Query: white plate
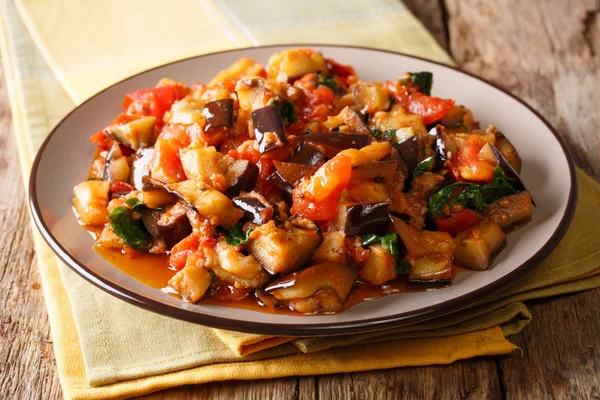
548, 172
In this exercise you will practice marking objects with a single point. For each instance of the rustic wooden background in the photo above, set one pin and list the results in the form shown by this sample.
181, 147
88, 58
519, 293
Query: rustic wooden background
546, 52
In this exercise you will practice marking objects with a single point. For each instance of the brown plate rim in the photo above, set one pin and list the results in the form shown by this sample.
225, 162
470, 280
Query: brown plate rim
304, 329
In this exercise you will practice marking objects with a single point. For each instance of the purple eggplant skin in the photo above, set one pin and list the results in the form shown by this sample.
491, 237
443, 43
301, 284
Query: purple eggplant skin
362, 219
241, 177
268, 128
339, 140
308, 154
440, 148
276, 179
255, 207
510, 172
218, 114
409, 151
172, 226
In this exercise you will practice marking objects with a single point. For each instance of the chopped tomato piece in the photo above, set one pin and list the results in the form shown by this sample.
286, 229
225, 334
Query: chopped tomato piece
121, 188
430, 108
166, 164
317, 197
340, 69
153, 101
182, 250
458, 223
468, 166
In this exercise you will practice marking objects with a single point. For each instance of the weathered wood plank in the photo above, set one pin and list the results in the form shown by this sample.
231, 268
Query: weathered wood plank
276, 389
561, 351
545, 52
469, 379
27, 367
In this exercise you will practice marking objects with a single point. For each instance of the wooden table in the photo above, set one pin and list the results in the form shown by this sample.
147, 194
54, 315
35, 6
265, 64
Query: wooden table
548, 53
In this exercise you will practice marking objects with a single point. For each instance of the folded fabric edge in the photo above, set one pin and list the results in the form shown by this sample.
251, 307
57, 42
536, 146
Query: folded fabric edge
417, 352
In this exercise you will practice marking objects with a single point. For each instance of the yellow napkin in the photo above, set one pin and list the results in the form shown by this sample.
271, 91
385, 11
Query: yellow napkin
107, 348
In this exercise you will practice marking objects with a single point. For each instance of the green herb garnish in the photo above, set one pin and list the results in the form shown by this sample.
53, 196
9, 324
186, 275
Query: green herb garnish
329, 82
423, 166
390, 243
236, 236
389, 135
286, 110
130, 230
422, 80
475, 197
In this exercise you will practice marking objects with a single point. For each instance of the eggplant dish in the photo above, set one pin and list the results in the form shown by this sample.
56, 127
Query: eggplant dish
296, 186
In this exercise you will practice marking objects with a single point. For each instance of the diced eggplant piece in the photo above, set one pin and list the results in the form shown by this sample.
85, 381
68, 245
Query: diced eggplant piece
209, 203
135, 134
509, 152
445, 149
140, 167
361, 219
218, 114
509, 171
268, 128
256, 208
409, 151
371, 98
332, 248
202, 198
174, 225
351, 118
116, 166
241, 68
454, 116
281, 250
289, 175
437, 242
191, 282
201, 164
369, 192
408, 236
237, 268
336, 277
379, 267
476, 247
511, 211
252, 94
154, 198
427, 182
381, 171
91, 200
338, 140
431, 271
241, 177
308, 154
290, 65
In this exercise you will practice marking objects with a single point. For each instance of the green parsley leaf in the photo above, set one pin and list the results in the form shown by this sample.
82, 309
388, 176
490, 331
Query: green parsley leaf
389, 134
390, 243
471, 197
499, 187
475, 197
438, 200
370, 239
423, 166
377, 133
329, 82
286, 110
236, 236
422, 80
131, 231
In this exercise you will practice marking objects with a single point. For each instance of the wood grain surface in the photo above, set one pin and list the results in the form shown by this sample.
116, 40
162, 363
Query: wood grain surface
546, 52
